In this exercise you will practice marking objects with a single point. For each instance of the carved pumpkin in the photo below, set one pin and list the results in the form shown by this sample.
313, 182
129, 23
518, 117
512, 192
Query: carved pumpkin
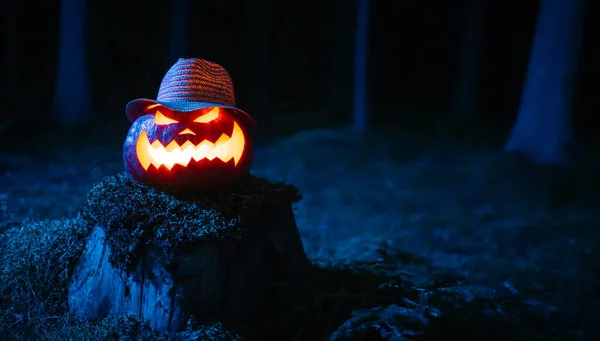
199, 149
191, 137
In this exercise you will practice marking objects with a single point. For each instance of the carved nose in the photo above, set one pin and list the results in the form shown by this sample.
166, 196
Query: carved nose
187, 131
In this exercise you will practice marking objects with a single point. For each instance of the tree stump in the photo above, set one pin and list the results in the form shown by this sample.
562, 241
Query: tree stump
164, 259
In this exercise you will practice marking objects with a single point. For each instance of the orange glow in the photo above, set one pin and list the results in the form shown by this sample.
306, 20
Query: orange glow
210, 116
187, 131
151, 106
225, 149
161, 119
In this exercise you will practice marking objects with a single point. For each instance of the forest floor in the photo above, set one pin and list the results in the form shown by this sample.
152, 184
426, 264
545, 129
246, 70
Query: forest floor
478, 243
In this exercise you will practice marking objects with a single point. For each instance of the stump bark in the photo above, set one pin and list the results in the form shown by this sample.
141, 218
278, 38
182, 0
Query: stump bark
205, 279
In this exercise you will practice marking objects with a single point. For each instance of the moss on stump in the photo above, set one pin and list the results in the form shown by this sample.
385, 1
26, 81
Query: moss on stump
136, 216
166, 257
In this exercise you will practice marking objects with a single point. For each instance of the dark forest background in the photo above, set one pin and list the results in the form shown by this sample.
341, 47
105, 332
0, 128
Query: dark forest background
286, 58
427, 213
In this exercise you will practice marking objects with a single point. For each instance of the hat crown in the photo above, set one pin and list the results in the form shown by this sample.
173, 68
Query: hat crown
197, 80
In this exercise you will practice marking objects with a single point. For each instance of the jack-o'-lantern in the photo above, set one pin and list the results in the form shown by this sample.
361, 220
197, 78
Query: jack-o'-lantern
192, 136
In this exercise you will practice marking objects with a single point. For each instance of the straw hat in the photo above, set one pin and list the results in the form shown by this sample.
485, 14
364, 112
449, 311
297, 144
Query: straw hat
191, 84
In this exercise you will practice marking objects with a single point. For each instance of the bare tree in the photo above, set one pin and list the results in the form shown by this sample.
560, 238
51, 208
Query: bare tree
10, 47
178, 42
543, 129
259, 21
338, 88
72, 97
361, 45
466, 79
10, 84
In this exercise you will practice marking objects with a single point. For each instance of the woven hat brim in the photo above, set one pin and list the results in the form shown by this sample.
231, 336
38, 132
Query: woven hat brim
137, 108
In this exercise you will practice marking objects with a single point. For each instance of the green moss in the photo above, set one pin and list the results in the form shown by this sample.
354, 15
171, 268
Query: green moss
136, 216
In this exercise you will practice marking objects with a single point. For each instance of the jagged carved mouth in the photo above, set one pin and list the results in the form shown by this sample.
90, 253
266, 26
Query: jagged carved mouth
224, 149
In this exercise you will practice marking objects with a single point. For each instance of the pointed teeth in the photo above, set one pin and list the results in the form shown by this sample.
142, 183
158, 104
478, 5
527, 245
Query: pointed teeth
225, 149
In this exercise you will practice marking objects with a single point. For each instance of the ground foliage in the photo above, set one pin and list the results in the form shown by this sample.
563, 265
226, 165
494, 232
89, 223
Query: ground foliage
423, 235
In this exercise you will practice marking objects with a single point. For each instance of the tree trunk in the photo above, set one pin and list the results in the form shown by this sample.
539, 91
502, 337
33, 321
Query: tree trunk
543, 129
204, 280
360, 112
259, 78
465, 89
10, 86
178, 44
10, 48
72, 97
338, 90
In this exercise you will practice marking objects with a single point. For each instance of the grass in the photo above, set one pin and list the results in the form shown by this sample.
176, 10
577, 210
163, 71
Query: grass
418, 235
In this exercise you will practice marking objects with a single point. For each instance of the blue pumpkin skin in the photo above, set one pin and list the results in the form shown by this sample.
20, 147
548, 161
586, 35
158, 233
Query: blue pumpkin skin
197, 175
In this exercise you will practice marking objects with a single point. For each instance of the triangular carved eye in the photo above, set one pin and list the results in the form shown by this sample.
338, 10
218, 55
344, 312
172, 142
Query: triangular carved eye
210, 116
161, 119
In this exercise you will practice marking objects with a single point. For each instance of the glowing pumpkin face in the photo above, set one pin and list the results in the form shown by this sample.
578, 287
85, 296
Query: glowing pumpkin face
206, 148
